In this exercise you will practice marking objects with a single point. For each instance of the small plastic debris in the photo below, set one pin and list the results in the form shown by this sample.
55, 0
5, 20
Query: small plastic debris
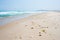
40, 34
43, 30
20, 37
32, 28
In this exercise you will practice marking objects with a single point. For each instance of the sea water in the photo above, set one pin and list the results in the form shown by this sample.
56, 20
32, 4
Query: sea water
9, 16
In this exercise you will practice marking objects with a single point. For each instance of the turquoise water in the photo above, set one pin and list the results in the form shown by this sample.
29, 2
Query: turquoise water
9, 16
6, 14
14, 13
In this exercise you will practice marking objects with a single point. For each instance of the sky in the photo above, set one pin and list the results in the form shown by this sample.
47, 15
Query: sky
29, 4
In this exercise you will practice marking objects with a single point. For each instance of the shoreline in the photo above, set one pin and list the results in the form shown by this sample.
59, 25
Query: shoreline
20, 18
34, 27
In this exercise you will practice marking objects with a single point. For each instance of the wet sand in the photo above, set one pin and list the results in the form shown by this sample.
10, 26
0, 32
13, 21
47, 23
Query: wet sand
44, 26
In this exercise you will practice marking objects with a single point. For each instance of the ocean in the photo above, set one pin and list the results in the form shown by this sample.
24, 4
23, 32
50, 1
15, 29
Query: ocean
9, 16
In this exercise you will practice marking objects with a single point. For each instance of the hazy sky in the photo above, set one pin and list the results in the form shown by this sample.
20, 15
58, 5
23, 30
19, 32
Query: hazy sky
29, 4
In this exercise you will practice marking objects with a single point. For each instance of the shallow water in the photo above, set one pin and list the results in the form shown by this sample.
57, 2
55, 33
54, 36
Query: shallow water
9, 16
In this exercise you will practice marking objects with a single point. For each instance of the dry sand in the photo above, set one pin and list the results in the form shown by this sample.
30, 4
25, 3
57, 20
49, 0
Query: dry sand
45, 26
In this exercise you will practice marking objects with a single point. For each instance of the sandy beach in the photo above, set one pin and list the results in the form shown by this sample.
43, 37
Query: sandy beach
43, 26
